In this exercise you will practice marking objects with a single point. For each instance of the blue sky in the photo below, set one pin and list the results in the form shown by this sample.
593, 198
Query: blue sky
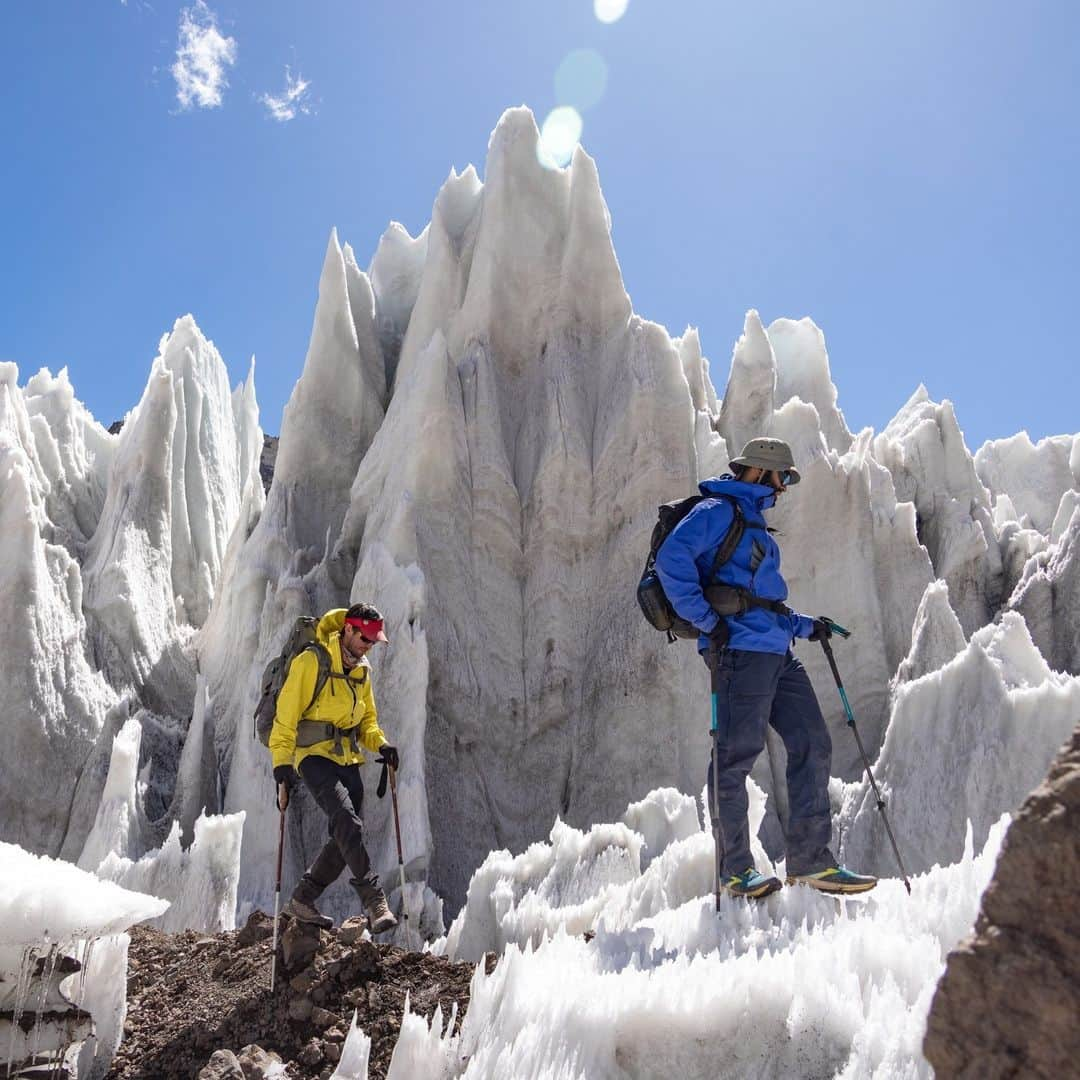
905, 173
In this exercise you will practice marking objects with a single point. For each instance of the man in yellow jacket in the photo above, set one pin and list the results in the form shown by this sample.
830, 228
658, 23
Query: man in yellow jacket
320, 735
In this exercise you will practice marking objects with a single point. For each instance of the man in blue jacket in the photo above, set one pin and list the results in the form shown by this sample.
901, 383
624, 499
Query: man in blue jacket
758, 680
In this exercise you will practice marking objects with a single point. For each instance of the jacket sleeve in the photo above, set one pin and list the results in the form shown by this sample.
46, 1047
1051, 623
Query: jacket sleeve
371, 735
293, 699
702, 530
802, 625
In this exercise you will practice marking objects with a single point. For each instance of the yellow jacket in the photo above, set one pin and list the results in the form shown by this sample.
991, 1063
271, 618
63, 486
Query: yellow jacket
344, 704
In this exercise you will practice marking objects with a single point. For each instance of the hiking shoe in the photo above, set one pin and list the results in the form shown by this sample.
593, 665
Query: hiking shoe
379, 916
751, 884
835, 879
307, 913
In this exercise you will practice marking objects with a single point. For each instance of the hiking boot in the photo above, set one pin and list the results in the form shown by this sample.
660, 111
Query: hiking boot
307, 913
751, 884
379, 916
835, 879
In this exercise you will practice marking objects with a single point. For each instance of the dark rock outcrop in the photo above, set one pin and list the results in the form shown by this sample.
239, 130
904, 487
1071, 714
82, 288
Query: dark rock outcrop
268, 460
1009, 1001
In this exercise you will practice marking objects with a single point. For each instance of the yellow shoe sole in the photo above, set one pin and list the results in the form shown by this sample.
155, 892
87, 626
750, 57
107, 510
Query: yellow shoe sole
825, 885
770, 886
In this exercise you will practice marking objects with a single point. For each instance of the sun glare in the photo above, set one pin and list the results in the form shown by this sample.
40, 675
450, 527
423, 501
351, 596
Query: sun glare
558, 137
609, 11
581, 79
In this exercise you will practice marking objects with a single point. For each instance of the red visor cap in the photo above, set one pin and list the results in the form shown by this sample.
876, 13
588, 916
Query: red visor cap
372, 629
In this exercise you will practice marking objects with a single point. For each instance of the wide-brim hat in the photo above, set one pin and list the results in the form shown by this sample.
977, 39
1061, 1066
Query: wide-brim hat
770, 454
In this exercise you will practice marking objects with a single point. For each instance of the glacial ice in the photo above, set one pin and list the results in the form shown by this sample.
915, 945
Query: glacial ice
662, 984
199, 880
1034, 476
50, 909
112, 547
477, 443
965, 742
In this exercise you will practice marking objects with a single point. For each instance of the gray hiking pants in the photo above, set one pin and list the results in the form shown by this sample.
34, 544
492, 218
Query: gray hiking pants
755, 689
339, 791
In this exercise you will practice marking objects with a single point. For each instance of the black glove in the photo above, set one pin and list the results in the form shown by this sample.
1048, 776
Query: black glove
388, 755
822, 630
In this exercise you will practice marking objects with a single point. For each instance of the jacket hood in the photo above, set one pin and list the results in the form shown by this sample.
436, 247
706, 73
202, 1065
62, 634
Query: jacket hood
758, 496
333, 622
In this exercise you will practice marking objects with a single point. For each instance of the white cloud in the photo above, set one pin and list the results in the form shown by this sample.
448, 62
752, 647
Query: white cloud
202, 57
285, 106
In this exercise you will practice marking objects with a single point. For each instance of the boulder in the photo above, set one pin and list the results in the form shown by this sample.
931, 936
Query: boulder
223, 1065
299, 943
352, 930
1008, 1002
258, 1063
259, 927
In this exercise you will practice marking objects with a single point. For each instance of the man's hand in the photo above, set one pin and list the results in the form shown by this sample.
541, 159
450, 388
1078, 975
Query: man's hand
388, 755
285, 778
822, 630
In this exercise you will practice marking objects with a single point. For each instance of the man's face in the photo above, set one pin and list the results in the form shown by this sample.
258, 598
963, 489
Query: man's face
776, 480
354, 643
770, 478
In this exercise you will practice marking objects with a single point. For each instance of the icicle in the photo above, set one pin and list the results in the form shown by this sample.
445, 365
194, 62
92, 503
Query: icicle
45, 965
22, 988
87, 949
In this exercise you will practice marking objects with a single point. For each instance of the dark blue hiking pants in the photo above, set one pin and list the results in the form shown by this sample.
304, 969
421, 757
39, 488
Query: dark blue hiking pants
340, 794
755, 689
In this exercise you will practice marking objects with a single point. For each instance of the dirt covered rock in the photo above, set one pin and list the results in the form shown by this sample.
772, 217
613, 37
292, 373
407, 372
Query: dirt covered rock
200, 1005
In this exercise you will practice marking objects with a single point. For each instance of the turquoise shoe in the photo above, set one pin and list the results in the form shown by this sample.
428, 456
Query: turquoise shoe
751, 884
835, 879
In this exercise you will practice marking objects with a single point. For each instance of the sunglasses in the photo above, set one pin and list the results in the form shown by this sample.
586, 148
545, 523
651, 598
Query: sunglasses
783, 475
358, 633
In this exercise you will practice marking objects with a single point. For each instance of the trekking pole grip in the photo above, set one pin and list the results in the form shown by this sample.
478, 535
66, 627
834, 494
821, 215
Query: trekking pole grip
714, 661
281, 847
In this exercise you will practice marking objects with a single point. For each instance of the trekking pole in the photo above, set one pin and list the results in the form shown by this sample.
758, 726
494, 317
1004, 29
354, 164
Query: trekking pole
718, 836
400, 856
277, 893
858, 740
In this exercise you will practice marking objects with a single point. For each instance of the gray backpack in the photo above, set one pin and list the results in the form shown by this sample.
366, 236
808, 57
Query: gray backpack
300, 640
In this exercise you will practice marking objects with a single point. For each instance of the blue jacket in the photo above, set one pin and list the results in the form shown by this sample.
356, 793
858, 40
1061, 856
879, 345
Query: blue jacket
686, 556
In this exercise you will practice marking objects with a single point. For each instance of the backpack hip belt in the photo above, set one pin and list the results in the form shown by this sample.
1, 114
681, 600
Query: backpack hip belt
730, 600
310, 732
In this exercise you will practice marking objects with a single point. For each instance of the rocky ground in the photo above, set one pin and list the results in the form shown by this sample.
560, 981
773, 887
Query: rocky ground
195, 996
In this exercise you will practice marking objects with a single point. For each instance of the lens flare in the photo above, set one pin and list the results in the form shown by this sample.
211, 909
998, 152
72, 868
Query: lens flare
609, 11
558, 137
581, 79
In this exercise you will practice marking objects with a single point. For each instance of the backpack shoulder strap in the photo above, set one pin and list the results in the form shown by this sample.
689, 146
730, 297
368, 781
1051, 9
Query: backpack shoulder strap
731, 540
322, 658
